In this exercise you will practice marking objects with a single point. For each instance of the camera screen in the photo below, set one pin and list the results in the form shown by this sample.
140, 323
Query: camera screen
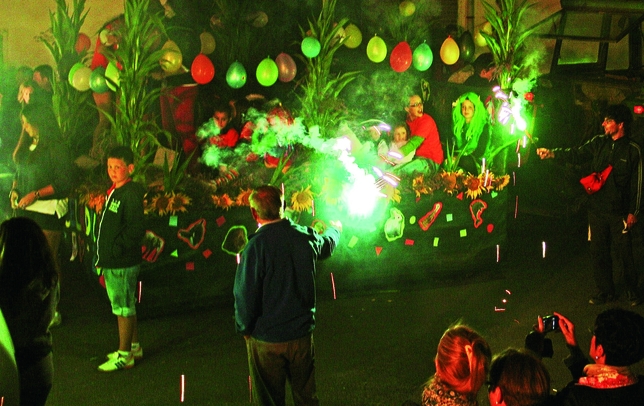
550, 323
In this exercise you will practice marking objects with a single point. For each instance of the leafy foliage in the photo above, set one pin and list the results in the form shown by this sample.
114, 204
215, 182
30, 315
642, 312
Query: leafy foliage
71, 106
138, 53
320, 101
507, 41
386, 18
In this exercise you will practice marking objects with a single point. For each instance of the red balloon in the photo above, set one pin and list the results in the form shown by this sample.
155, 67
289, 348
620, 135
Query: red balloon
202, 69
286, 67
401, 57
83, 43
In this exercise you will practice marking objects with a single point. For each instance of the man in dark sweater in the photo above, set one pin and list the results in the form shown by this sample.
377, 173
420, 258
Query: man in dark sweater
275, 300
613, 209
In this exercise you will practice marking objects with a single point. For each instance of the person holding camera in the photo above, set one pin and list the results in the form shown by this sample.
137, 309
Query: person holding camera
616, 344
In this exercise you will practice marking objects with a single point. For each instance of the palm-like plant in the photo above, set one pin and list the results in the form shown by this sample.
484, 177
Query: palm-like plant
507, 41
138, 53
70, 105
321, 89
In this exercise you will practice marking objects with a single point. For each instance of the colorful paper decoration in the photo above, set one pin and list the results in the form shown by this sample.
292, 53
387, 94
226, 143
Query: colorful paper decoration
477, 207
194, 234
153, 245
235, 240
394, 225
428, 219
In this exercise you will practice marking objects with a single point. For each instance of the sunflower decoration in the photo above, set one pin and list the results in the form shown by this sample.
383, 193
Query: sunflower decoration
223, 202
160, 204
451, 181
302, 200
242, 197
419, 186
96, 202
500, 183
178, 203
475, 185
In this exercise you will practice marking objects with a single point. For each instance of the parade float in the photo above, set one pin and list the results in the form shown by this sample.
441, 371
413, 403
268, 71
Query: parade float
399, 227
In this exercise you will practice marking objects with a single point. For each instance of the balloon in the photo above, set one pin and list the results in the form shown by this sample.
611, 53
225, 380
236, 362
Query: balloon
479, 39
354, 36
172, 58
422, 57
407, 8
72, 71
487, 28
236, 75
466, 47
97, 81
311, 47
376, 49
112, 76
83, 43
286, 67
208, 43
258, 19
202, 69
449, 51
267, 72
400, 58
80, 81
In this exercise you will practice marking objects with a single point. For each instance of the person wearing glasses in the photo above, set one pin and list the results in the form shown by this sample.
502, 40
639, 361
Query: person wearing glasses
424, 137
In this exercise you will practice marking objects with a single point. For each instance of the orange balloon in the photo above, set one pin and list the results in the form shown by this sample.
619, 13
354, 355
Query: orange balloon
449, 51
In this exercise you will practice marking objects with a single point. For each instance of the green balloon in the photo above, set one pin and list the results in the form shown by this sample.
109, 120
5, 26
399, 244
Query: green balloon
70, 76
422, 57
376, 49
236, 75
112, 76
97, 81
311, 47
267, 72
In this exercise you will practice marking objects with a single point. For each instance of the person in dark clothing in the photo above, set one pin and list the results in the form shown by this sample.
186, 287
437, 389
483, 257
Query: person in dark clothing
612, 210
275, 300
29, 293
518, 378
617, 343
120, 234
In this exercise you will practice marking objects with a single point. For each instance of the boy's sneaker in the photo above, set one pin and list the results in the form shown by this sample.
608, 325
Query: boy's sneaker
117, 363
136, 354
601, 298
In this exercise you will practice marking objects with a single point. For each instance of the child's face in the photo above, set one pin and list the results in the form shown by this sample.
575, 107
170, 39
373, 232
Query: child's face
400, 134
119, 171
221, 119
467, 110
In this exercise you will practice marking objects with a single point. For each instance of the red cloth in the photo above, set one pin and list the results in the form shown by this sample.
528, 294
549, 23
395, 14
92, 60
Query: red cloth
431, 148
227, 140
178, 115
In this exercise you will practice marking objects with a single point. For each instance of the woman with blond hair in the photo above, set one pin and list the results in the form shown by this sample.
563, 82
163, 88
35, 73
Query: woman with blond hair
462, 362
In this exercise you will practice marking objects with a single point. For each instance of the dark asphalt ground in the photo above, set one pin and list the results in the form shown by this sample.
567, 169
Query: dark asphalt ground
373, 348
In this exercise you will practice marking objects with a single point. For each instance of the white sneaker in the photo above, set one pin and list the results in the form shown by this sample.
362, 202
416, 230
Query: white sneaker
136, 354
117, 363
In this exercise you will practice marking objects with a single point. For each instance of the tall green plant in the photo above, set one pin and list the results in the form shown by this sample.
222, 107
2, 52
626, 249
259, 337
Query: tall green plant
507, 41
138, 54
320, 103
70, 105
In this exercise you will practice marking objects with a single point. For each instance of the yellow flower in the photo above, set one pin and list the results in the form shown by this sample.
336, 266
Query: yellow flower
178, 202
450, 182
418, 184
502, 182
302, 200
224, 201
474, 185
161, 203
242, 198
